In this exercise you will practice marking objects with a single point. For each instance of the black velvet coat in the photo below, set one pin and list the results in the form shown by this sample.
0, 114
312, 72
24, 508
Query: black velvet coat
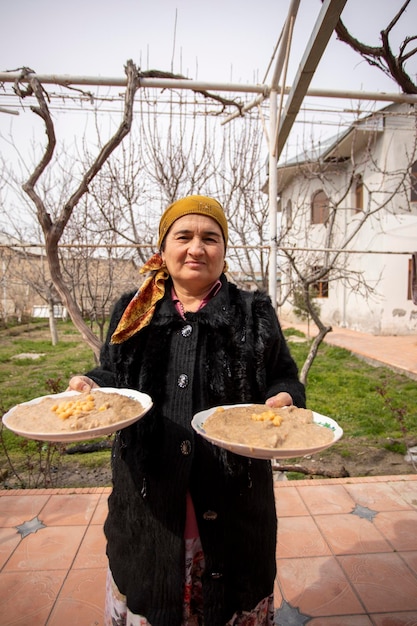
230, 351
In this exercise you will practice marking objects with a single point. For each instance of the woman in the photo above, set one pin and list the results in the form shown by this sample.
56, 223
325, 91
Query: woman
191, 528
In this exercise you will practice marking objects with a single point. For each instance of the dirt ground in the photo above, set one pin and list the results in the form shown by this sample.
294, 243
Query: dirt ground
362, 459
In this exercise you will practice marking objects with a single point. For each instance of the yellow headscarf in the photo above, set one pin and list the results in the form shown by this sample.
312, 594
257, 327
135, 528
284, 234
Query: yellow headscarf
192, 204
141, 308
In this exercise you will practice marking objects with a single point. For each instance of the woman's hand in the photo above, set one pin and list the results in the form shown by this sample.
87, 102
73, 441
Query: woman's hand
281, 399
81, 383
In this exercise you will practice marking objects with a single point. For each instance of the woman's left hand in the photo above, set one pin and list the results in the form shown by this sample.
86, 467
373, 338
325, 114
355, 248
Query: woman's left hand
281, 399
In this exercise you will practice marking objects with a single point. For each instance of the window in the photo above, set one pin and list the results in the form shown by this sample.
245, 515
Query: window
320, 289
319, 208
413, 191
359, 194
412, 279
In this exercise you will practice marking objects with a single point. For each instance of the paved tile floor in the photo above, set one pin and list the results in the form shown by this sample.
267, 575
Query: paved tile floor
346, 554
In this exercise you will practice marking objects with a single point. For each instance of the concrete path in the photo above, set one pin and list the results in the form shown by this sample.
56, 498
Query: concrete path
399, 352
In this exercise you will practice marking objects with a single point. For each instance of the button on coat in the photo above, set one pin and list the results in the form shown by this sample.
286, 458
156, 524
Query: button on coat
182, 381
210, 516
186, 330
186, 447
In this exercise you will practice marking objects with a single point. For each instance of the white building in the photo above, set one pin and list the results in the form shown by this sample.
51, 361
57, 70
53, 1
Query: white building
349, 224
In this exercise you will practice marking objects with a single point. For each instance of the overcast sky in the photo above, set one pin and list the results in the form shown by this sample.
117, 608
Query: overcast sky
211, 40
216, 40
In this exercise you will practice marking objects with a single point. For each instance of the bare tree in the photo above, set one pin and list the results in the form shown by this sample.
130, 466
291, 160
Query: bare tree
54, 223
186, 152
53, 229
118, 208
93, 267
180, 148
383, 57
238, 179
163, 158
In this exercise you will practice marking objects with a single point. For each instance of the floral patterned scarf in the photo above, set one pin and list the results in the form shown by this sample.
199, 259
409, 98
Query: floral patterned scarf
140, 309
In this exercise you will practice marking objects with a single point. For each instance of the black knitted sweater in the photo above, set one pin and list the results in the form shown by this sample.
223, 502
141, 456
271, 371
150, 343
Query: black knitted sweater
229, 352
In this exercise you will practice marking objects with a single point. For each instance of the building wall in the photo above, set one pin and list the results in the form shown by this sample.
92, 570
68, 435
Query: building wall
95, 283
385, 309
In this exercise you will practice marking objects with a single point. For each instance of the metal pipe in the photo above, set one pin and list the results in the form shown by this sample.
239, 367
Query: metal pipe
282, 61
162, 83
273, 200
320, 36
3, 110
66, 80
332, 93
281, 100
286, 39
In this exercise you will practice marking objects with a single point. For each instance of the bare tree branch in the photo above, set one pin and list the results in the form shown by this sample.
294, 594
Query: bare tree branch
53, 230
206, 94
382, 56
53, 223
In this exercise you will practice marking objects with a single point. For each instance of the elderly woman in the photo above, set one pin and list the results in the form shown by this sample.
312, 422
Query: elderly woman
191, 528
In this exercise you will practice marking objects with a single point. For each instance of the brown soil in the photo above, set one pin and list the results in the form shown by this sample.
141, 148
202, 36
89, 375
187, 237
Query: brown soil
355, 458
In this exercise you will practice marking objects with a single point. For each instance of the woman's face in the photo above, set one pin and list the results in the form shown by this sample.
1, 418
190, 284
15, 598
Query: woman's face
194, 251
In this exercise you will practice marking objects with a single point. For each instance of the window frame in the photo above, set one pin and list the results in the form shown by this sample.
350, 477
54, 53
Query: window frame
320, 212
411, 279
358, 194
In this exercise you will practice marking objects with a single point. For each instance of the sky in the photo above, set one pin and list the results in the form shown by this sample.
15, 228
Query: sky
220, 40
216, 41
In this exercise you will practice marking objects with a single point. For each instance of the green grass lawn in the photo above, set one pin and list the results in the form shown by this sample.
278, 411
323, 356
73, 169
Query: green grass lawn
22, 379
352, 392
339, 385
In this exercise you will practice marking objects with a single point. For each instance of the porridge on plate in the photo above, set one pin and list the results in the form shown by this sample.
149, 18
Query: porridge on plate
261, 426
84, 411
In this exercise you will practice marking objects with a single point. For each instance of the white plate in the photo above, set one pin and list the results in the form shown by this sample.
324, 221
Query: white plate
265, 453
82, 435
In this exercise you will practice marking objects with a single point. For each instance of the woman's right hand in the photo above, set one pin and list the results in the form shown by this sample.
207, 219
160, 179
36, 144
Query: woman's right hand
81, 383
